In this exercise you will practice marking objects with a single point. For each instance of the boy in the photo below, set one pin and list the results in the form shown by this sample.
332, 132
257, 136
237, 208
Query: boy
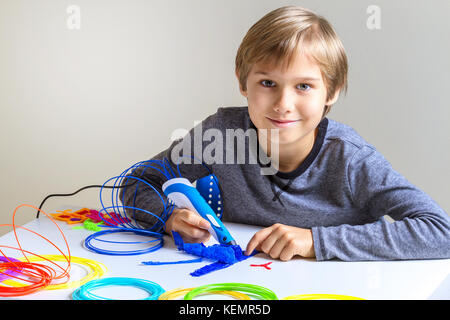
331, 188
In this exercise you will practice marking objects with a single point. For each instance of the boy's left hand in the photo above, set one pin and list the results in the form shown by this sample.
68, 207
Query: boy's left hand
283, 242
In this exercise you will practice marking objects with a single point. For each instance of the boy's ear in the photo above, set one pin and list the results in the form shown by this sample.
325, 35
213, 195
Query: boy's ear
333, 99
243, 92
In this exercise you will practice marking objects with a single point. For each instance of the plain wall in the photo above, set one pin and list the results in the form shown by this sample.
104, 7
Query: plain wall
80, 106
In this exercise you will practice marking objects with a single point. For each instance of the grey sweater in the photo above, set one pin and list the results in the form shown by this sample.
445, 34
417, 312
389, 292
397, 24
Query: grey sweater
341, 192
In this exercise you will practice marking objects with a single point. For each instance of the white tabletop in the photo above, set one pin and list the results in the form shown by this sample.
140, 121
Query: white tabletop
418, 279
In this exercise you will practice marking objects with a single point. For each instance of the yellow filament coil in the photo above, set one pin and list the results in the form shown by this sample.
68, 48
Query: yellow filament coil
318, 296
95, 270
175, 293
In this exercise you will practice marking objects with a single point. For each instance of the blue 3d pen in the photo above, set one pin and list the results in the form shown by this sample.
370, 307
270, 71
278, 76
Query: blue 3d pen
184, 195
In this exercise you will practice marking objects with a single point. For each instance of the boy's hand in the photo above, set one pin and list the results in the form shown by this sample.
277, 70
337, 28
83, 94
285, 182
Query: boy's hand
283, 242
191, 227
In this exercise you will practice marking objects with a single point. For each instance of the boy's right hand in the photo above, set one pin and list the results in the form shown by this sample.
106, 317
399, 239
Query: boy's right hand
190, 225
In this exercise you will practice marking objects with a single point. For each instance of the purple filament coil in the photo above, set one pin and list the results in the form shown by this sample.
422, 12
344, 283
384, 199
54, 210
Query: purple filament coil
5, 274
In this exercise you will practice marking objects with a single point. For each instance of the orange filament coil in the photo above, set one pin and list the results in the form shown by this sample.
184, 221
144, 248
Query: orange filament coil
95, 270
32, 276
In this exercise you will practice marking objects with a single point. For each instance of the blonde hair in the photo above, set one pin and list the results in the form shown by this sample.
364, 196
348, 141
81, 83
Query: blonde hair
288, 31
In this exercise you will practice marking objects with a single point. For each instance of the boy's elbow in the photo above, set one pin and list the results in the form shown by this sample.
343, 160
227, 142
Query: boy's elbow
439, 241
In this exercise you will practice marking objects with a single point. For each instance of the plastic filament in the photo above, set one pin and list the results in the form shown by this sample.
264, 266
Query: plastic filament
155, 243
95, 270
39, 277
133, 177
85, 291
33, 276
321, 296
122, 223
175, 293
256, 291
5, 275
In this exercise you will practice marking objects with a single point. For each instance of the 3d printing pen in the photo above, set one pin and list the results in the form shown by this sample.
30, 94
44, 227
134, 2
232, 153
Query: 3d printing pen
185, 195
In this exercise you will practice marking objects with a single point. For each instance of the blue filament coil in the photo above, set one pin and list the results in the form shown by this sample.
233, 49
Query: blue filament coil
156, 243
123, 224
85, 291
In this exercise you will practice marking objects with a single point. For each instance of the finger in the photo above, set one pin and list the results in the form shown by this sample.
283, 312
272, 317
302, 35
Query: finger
287, 253
277, 248
190, 235
195, 233
276, 236
257, 238
189, 232
197, 240
195, 220
267, 245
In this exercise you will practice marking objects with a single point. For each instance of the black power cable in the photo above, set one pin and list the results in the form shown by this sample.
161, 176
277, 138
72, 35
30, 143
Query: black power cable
74, 193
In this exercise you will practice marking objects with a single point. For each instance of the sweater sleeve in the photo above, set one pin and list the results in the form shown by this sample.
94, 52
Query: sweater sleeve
142, 202
421, 229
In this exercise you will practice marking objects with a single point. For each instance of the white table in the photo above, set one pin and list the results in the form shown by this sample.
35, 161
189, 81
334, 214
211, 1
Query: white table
419, 279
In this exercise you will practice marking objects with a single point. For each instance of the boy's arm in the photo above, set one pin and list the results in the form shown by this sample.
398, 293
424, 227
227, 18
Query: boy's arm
421, 229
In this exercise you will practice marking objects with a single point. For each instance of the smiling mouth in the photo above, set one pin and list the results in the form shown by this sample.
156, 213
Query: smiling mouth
282, 123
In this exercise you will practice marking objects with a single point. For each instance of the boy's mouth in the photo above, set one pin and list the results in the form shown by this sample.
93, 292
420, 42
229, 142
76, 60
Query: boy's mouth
282, 123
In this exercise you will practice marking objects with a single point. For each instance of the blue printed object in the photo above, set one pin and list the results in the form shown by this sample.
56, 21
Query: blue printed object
159, 263
224, 255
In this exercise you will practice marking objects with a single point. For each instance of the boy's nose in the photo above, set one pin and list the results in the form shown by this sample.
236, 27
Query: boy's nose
285, 102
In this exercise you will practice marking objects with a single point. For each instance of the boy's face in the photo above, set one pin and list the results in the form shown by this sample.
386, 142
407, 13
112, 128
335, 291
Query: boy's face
292, 101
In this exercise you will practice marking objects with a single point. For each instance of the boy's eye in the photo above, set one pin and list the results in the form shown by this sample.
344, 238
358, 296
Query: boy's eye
269, 84
303, 86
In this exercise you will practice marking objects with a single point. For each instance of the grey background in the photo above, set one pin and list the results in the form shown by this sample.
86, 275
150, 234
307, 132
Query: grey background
80, 106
